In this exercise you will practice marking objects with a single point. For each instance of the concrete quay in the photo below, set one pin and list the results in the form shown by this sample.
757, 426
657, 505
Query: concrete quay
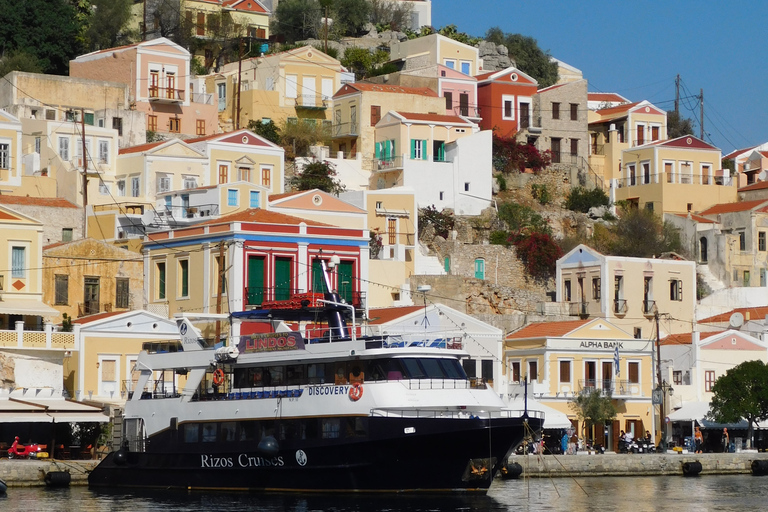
31, 473
647, 464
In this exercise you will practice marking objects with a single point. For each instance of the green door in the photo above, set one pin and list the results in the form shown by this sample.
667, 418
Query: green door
346, 285
255, 280
282, 278
318, 283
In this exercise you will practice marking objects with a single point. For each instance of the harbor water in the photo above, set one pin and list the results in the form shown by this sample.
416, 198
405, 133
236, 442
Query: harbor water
705, 493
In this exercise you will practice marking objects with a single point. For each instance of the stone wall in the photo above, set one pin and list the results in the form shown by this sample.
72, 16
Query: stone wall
31, 473
612, 464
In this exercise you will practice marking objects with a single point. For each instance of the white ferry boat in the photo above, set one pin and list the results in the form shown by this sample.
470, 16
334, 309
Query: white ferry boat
281, 412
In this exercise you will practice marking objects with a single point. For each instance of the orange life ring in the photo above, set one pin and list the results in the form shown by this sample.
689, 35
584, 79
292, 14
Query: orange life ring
218, 377
355, 392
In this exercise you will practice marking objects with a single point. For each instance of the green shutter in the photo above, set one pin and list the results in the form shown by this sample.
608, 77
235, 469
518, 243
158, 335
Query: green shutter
424, 149
413, 149
387, 150
346, 284
441, 152
378, 151
255, 280
447, 263
282, 278
318, 282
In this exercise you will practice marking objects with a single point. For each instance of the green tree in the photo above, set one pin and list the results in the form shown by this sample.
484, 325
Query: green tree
593, 408
386, 14
19, 60
581, 199
297, 20
106, 23
47, 29
522, 219
640, 233
350, 16
298, 135
268, 130
528, 57
320, 175
441, 220
452, 32
741, 393
363, 61
678, 126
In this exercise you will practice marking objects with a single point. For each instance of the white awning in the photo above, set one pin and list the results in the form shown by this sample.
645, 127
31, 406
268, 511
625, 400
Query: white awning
690, 411
78, 417
50, 410
26, 307
552, 417
25, 417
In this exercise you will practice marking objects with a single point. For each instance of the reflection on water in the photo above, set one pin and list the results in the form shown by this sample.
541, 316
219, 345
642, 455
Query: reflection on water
636, 494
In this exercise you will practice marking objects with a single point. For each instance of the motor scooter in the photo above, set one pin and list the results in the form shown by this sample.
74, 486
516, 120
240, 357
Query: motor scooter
20, 451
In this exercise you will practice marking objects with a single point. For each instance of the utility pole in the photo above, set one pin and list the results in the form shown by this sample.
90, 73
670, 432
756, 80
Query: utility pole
677, 95
85, 175
701, 103
662, 441
239, 86
220, 291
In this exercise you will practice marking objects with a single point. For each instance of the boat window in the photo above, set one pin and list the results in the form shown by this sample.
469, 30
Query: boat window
433, 368
316, 373
292, 429
376, 371
248, 431
331, 428
228, 431
413, 369
452, 369
340, 373
191, 433
392, 369
209, 432
278, 375
294, 374
356, 427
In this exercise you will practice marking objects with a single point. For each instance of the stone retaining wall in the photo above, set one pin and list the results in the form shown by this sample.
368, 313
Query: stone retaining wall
634, 464
31, 473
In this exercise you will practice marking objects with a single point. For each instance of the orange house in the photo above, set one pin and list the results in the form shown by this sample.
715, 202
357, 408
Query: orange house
506, 101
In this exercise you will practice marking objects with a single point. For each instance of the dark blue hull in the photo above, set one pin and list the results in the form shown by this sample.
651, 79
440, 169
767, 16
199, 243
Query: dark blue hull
397, 455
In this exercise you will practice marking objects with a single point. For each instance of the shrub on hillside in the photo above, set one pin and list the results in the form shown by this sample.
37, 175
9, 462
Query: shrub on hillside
582, 199
442, 221
539, 252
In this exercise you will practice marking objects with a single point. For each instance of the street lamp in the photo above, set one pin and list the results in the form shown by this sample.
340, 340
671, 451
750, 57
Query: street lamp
659, 397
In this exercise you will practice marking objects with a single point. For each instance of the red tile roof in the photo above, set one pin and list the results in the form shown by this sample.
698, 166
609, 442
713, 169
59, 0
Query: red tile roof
737, 152
760, 185
98, 316
384, 315
439, 118
605, 96
264, 217
395, 89
697, 218
140, 148
686, 141
546, 329
686, 338
53, 202
552, 87
275, 197
245, 5
756, 313
741, 206
619, 109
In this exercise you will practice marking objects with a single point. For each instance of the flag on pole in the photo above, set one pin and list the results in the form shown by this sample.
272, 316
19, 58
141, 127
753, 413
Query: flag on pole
616, 360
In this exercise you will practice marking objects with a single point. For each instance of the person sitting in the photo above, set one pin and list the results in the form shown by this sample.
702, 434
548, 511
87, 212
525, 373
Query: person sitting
356, 376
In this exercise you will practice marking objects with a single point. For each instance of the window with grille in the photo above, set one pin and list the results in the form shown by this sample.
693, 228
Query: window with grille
761, 241
392, 231
18, 262
5, 156
122, 293
61, 290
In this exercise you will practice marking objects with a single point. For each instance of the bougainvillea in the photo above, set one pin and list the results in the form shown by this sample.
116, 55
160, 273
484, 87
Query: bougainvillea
539, 252
512, 156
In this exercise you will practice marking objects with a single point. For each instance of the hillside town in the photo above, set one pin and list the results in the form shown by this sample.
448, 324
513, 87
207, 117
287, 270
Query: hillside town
151, 181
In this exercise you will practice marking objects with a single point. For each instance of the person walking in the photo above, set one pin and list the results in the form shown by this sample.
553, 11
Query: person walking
726, 441
698, 440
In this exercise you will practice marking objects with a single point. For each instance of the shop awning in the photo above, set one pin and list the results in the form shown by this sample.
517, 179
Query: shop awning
552, 417
26, 307
78, 417
697, 411
51, 410
25, 417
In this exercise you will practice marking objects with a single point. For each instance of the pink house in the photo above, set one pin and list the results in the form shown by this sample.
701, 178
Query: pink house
460, 93
157, 73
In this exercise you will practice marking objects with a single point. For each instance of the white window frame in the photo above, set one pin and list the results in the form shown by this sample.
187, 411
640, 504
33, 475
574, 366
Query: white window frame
642, 172
135, 186
504, 99
450, 64
461, 68
511, 374
629, 174
163, 182
706, 168
121, 188
569, 360
103, 151
525, 100
418, 150
291, 86
5, 154
639, 372
230, 196
64, 148
103, 188
189, 181
674, 170
257, 195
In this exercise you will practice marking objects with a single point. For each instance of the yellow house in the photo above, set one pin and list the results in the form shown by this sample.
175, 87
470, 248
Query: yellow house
614, 129
103, 367
88, 276
561, 360
629, 292
673, 176
21, 280
10, 150
290, 85
437, 49
358, 107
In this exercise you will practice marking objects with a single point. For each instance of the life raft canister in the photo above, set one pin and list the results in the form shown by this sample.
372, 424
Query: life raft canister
218, 377
355, 392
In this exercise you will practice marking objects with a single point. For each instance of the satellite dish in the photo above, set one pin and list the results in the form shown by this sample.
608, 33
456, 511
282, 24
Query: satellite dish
736, 321
763, 176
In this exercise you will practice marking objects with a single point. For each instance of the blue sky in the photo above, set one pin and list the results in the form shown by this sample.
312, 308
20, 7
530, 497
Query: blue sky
637, 47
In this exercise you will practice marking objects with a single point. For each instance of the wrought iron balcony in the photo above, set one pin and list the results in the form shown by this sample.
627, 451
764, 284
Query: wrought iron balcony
649, 307
619, 307
166, 95
580, 309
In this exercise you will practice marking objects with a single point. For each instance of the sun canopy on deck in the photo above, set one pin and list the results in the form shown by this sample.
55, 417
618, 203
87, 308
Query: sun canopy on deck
552, 417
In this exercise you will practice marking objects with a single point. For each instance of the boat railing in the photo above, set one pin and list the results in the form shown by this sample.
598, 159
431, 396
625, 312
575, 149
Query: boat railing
436, 384
452, 414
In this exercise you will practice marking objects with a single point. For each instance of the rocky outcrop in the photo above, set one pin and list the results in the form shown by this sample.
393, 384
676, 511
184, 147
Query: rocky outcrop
495, 56
7, 371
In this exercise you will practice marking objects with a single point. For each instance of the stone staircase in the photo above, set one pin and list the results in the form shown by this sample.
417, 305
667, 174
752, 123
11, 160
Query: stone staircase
426, 264
711, 283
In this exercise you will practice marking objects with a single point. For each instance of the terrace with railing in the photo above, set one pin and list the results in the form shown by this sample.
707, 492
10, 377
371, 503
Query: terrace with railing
264, 297
47, 339
614, 387
165, 94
